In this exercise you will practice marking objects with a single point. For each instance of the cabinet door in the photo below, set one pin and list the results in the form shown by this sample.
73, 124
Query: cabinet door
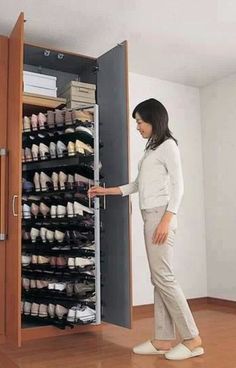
3, 175
112, 97
14, 131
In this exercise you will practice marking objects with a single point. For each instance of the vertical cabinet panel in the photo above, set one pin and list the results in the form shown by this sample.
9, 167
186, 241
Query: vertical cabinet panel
3, 184
14, 126
112, 97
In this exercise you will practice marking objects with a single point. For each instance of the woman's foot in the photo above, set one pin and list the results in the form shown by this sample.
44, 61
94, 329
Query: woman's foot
161, 344
193, 343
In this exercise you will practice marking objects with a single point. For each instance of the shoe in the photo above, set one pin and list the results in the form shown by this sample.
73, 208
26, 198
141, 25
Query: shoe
33, 284
85, 314
26, 260
37, 182
53, 211
27, 308
70, 182
82, 288
70, 209
26, 124
51, 119
83, 179
51, 310
71, 149
42, 120
60, 286
69, 130
60, 311
25, 283
83, 148
44, 180
34, 309
61, 149
34, 259
62, 180
28, 155
83, 262
71, 263
34, 233
68, 117
43, 260
90, 247
91, 299
61, 211
59, 117
181, 352
34, 122
34, 209
71, 316
53, 150
26, 211
88, 131
43, 311
27, 186
51, 285
50, 236
55, 179
41, 284
35, 152
59, 236
42, 233
147, 348
79, 209
53, 263
44, 209
82, 115
69, 289
43, 151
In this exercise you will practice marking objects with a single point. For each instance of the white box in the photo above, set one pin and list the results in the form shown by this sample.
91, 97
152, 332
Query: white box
40, 80
40, 90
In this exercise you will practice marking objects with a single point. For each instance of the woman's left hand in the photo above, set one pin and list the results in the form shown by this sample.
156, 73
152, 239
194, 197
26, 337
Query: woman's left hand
161, 232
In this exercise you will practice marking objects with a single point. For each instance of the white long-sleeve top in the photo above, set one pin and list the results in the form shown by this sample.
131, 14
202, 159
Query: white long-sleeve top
156, 170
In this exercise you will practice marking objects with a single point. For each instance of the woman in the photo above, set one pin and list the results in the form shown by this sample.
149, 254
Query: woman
161, 161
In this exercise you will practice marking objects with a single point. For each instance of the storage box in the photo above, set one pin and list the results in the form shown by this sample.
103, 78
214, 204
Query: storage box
77, 105
80, 92
40, 84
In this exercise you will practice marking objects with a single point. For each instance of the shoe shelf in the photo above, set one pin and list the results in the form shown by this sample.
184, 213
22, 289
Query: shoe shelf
32, 100
78, 221
51, 192
63, 162
57, 252
45, 295
59, 275
42, 321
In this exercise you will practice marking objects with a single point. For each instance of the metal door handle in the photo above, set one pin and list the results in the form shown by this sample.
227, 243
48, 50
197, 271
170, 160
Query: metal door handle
13, 205
3, 168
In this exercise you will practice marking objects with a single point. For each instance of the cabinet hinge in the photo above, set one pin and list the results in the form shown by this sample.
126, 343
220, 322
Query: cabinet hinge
3, 152
3, 237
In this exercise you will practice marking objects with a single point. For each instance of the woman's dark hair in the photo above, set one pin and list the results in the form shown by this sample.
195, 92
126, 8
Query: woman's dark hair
153, 112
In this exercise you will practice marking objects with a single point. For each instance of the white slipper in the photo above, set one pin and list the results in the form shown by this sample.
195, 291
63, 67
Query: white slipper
147, 348
180, 352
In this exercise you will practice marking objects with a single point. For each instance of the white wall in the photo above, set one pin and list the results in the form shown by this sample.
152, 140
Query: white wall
183, 105
218, 105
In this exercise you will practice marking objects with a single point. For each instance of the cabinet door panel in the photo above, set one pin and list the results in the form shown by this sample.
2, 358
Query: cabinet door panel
14, 131
112, 97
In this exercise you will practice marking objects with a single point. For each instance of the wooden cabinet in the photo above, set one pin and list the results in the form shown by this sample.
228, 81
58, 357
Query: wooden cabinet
110, 74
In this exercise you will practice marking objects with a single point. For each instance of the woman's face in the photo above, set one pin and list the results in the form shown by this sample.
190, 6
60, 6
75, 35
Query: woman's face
145, 129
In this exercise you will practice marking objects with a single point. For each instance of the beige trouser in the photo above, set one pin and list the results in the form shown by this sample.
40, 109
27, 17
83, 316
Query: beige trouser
170, 305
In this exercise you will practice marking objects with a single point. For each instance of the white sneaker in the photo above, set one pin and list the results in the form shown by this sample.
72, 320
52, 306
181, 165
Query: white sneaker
71, 317
60, 286
42, 233
70, 209
34, 233
26, 211
85, 314
53, 150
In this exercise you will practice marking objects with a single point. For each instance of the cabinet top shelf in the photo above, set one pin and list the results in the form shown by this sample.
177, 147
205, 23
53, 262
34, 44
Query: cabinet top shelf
32, 100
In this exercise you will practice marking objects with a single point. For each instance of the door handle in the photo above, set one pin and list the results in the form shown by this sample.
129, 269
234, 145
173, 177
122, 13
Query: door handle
3, 168
15, 214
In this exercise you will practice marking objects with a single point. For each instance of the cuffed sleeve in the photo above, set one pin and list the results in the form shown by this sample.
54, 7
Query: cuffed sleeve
172, 161
129, 188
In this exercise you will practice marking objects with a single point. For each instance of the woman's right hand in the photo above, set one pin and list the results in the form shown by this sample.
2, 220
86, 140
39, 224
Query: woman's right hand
96, 191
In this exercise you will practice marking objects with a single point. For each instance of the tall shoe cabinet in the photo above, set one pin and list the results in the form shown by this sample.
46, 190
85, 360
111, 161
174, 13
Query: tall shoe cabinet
110, 74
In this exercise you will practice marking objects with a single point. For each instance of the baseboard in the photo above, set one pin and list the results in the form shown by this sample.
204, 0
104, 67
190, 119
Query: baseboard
221, 302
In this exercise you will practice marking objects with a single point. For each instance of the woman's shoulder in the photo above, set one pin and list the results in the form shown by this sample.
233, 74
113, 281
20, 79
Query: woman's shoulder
169, 142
